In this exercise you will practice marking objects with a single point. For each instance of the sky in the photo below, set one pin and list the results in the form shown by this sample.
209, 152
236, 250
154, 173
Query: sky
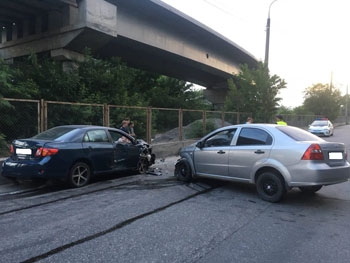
309, 39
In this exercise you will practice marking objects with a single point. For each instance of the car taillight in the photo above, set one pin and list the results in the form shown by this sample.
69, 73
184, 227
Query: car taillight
12, 150
314, 152
42, 151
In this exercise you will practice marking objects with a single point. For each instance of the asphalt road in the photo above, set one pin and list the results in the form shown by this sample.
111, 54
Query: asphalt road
149, 218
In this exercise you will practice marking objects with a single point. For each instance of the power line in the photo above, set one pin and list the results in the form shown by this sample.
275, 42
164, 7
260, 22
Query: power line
225, 10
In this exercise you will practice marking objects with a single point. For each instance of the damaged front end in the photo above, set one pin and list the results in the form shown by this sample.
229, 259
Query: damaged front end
147, 158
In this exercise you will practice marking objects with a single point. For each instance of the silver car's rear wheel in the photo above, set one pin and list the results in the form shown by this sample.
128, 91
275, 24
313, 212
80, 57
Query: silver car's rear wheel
183, 171
270, 187
79, 175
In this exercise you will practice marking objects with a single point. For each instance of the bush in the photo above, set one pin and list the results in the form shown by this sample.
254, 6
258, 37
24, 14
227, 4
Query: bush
4, 149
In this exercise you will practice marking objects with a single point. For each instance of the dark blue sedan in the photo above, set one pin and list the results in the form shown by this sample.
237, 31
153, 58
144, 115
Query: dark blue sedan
75, 153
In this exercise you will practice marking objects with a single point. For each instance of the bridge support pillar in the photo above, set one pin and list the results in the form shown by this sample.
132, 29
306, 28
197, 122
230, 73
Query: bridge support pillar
216, 96
3, 35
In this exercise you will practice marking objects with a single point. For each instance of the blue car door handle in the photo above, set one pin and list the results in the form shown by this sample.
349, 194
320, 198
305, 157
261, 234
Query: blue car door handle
259, 152
221, 152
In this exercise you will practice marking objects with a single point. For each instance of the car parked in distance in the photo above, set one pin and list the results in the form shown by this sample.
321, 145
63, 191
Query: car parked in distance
273, 157
322, 127
75, 153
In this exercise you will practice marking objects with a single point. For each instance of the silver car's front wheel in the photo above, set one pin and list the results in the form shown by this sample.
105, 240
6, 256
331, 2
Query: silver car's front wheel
183, 171
270, 186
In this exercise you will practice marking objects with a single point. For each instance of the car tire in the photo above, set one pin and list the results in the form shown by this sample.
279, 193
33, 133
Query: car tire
310, 189
79, 175
142, 166
270, 187
183, 171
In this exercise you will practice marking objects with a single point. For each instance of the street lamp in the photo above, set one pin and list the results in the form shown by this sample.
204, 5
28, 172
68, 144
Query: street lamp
346, 106
268, 36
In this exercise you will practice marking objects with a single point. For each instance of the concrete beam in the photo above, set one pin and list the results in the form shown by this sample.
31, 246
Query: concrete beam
65, 54
99, 15
217, 96
90, 26
3, 35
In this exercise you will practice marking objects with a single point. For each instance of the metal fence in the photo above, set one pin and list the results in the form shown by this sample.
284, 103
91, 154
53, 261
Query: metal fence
25, 118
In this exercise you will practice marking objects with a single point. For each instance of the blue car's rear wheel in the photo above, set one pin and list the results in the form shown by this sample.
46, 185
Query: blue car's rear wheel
79, 175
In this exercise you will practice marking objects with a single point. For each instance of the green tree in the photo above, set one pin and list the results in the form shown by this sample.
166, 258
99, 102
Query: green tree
173, 93
17, 118
6, 78
345, 102
322, 100
255, 91
93, 80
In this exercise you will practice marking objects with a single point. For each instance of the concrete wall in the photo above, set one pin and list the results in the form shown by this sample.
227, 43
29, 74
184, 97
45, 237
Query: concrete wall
162, 150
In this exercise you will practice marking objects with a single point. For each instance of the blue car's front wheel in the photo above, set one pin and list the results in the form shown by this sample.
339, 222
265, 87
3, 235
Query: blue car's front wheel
79, 175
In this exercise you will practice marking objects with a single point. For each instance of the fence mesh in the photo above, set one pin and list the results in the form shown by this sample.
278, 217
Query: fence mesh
165, 125
22, 118
57, 114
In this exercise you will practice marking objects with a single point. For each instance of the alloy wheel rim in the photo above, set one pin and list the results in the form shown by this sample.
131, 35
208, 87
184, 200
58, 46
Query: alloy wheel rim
80, 175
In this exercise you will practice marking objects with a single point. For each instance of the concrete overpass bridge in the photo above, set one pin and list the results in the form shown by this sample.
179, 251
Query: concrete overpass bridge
147, 34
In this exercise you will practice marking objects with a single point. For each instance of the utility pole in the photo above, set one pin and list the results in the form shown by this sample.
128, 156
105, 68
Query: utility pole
267, 46
346, 106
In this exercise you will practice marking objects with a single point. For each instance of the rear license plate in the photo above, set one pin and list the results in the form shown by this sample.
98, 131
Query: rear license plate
23, 151
335, 156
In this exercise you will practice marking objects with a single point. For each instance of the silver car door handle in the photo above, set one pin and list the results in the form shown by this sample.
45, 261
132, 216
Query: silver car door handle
221, 152
259, 152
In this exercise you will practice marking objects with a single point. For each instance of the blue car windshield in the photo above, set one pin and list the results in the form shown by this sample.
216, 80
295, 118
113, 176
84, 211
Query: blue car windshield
57, 134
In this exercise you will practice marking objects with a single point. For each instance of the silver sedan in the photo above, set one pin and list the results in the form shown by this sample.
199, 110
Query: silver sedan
275, 158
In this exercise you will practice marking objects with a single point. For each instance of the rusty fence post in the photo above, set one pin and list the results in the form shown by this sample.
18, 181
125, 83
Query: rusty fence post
204, 122
45, 122
222, 119
106, 115
42, 110
238, 121
39, 128
149, 125
180, 124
